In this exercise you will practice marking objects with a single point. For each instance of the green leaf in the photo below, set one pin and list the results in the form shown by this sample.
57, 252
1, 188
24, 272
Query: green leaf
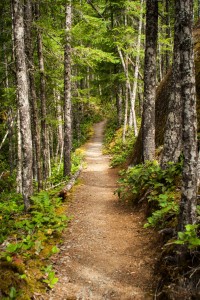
55, 249
13, 293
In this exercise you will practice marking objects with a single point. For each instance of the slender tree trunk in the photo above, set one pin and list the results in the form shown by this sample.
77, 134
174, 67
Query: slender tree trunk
160, 63
128, 84
125, 115
148, 123
44, 127
10, 113
67, 93
10, 137
130, 119
19, 156
119, 105
60, 124
167, 53
173, 131
23, 102
188, 93
136, 73
32, 89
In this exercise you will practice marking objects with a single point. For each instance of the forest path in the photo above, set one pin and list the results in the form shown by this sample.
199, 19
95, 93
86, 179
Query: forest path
106, 252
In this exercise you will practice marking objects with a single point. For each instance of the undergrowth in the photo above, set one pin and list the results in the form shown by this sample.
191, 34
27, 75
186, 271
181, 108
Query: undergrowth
113, 144
148, 182
28, 240
160, 191
33, 236
57, 169
160, 188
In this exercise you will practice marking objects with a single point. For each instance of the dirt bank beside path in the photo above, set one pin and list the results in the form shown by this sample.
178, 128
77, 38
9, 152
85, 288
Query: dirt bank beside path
106, 252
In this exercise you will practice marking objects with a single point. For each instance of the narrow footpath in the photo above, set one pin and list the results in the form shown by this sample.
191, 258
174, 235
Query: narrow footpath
106, 252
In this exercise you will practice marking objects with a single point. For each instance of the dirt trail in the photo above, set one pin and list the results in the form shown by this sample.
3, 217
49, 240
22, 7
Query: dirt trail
106, 253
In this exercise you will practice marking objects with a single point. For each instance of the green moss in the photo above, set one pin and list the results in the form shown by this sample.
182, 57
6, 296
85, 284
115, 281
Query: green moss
11, 277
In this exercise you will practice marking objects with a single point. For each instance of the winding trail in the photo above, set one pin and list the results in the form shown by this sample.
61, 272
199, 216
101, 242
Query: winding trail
106, 252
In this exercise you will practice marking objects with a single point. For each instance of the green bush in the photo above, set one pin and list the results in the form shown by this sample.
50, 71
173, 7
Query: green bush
113, 144
159, 187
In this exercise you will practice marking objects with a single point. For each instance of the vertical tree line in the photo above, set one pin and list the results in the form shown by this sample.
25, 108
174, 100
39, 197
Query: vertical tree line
181, 126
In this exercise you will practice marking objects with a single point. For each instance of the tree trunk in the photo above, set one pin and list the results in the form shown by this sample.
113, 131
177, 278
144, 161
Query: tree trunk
119, 105
128, 85
148, 122
173, 130
136, 73
60, 124
189, 185
33, 96
19, 157
125, 115
167, 52
67, 93
10, 137
44, 128
160, 64
23, 102
10, 114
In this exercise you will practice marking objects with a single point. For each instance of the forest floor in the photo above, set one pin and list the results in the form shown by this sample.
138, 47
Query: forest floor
106, 253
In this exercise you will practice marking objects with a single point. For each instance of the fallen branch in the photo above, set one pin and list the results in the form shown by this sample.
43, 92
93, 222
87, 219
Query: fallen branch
69, 185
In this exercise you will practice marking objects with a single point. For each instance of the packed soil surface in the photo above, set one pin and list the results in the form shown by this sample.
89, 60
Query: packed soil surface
106, 254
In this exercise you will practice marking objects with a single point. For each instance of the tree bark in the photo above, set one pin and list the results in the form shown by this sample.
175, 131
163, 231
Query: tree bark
188, 92
173, 130
148, 120
23, 102
19, 157
59, 116
32, 89
125, 115
44, 127
119, 105
168, 34
67, 93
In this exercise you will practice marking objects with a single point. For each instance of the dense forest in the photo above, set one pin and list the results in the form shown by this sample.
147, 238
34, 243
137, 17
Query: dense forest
66, 65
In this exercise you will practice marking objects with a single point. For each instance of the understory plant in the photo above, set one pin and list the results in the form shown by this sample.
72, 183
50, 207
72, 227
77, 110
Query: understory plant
28, 240
113, 144
159, 187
